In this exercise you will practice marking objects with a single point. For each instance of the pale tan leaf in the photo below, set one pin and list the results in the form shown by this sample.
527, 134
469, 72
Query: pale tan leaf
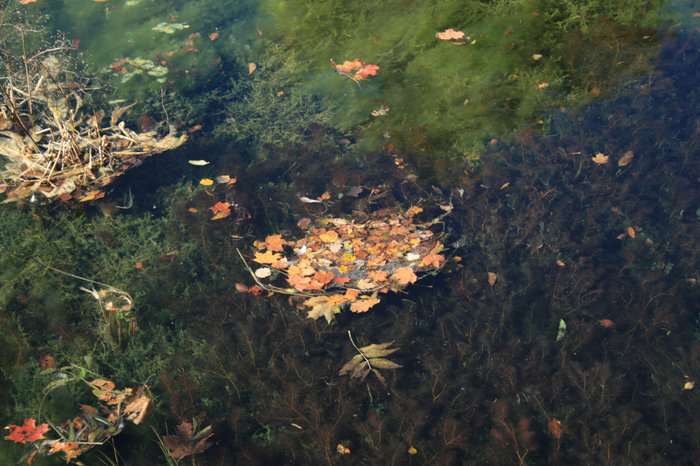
381, 363
625, 159
320, 308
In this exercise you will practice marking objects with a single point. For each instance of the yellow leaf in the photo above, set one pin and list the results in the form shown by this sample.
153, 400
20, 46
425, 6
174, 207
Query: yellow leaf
206, 182
252, 67
268, 257
328, 237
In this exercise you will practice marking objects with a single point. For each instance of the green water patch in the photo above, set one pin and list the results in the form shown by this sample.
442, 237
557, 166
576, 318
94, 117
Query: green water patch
517, 60
140, 48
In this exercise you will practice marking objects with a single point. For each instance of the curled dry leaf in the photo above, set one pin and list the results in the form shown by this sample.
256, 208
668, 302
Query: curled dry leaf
492, 278
241, 288
625, 159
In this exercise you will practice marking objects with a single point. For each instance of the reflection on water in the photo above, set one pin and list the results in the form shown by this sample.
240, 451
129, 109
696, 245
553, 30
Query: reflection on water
562, 327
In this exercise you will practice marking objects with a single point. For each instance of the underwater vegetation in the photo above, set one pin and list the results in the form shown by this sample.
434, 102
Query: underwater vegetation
228, 302
515, 61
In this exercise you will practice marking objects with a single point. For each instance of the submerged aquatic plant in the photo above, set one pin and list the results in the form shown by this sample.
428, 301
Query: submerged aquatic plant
93, 426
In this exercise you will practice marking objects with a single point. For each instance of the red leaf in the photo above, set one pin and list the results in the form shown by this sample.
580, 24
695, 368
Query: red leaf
29, 432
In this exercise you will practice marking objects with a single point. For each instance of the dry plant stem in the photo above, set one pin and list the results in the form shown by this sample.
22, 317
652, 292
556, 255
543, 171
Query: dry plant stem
358, 350
111, 288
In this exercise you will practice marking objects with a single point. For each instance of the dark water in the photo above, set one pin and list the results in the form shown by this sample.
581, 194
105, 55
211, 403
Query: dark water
562, 328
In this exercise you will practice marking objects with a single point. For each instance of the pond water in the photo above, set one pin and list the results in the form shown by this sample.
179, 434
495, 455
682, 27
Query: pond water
505, 193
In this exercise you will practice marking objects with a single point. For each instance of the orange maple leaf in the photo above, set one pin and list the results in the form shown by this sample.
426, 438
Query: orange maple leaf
378, 275
363, 305
299, 283
404, 275
267, 257
431, 259
28, 432
280, 263
221, 209
341, 280
72, 450
366, 71
348, 66
337, 300
324, 277
275, 243
255, 290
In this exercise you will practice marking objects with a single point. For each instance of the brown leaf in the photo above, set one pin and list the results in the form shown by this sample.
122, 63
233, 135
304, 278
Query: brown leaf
187, 443
136, 406
555, 428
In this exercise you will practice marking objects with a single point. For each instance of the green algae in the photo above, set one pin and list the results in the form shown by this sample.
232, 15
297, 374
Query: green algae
447, 100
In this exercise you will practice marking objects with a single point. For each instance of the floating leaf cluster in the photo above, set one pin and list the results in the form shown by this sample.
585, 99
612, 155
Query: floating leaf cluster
347, 263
